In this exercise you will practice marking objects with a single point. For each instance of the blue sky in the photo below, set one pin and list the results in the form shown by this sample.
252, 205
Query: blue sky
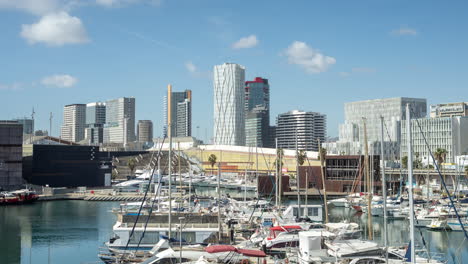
317, 55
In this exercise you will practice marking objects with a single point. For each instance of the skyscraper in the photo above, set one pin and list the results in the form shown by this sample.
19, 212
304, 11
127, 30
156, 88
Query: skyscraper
181, 109
120, 121
257, 113
229, 104
351, 133
74, 122
145, 131
95, 120
305, 127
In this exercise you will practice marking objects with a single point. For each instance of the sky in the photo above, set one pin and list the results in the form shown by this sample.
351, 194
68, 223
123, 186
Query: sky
317, 55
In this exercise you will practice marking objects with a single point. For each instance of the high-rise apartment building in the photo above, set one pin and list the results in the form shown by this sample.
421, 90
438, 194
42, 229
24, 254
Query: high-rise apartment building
257, 113
11, 154
257, 128
181, 112
449, 110
95, 120
304, 127
229, 104
120, 121
145, 131
74, 122
393, 111
449, 133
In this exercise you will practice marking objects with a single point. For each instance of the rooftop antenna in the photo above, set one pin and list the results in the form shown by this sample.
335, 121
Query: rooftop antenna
50, 124
32, 128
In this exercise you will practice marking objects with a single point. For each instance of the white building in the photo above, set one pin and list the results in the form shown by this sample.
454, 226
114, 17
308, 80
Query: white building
449, 133
308, 127
351, 133
120, 121
229, 102
74, 122
449, 110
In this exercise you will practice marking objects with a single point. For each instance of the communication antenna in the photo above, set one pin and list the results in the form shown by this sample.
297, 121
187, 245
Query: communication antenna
50, 124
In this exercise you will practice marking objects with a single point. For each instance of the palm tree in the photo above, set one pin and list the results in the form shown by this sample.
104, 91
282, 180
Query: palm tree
440, 154
323, 154
301, 157
404, 162
131, 163
212, 160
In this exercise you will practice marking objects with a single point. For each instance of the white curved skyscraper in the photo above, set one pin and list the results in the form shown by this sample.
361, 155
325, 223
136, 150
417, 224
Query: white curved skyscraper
229, 101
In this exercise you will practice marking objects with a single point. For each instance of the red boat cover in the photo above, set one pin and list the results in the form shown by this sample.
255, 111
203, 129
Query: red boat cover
285, 228
220, 248
252, 253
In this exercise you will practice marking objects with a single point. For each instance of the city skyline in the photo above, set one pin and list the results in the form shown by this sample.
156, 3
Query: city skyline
386, 55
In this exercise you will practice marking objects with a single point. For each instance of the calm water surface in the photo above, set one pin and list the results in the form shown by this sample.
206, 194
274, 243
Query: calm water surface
54, 232
73, 231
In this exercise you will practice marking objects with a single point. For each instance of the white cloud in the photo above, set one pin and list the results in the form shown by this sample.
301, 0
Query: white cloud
246, 42
56, 29
11, 87
190, 67
305, 56
344, 74
120, 3
363, 70
60, 81
404, 31
36, 7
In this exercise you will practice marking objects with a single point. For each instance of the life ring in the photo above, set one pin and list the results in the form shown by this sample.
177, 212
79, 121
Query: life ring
245, 261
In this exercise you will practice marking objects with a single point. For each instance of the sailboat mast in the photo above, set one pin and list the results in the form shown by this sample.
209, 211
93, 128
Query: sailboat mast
169, 124
410, 180
219, 202
368, 179
277, 173
384, 185
297, 182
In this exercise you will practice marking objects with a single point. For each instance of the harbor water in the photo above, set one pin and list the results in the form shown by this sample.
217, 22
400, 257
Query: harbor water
73, 231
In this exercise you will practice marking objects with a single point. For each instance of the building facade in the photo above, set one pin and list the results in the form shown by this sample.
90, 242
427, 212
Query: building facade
304, 127
95, 120
145, 131
28, 125
257, 113
181, 112
449, 110
11, 152
351, 133
449, 133
229, 104
120, 121
74, 122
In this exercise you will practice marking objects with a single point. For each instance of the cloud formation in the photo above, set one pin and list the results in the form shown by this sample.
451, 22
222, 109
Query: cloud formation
59, 81
11, 87
55, 29
36, 7
246, 42
190, 67
120, 3
404, 31
312, 61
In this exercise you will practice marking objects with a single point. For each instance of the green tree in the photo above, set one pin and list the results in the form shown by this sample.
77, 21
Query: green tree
322, 155
404, 162
301, 157
440, 155
212, 160
131, 164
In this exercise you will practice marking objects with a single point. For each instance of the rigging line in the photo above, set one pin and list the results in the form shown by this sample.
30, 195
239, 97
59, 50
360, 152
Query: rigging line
139, 210
441, 178
320, 194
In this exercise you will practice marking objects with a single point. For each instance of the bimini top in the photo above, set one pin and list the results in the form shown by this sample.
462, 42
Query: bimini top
220, 248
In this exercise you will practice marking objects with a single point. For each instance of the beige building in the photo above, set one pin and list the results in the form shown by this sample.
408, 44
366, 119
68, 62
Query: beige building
449, 110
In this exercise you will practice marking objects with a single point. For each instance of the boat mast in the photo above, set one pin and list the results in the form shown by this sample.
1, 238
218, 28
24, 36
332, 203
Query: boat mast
410, 180
322, 160
256, 169
219, 202
368, 179
277, 173
384, 185
297, 182
169, 119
